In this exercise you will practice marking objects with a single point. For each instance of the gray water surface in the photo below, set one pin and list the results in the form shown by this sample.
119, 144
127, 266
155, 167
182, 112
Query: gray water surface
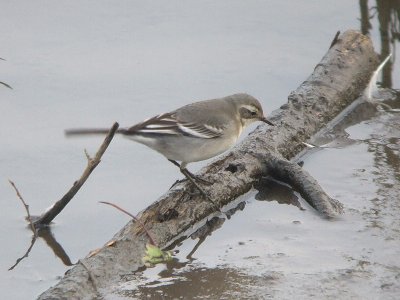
78, 64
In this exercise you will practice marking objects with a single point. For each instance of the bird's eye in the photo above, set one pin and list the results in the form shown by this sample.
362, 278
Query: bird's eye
253, 113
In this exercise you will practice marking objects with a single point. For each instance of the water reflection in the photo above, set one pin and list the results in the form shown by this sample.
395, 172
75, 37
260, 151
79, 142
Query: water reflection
46, 234
384, 142
272, 190
56, 247
388, 14
214, 283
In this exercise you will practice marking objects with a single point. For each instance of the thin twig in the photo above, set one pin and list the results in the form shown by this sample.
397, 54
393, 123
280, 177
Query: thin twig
32, 226
28, 215
5, 84
49, 215
134, 218
335, 39
87, 155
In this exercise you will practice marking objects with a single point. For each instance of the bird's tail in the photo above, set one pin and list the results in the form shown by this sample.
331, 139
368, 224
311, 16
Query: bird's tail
90, 131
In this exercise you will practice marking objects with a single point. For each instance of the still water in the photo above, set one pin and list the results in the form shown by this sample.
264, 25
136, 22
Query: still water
76, 64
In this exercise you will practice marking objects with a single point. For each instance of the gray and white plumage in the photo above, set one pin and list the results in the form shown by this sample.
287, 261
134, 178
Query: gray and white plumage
196, 131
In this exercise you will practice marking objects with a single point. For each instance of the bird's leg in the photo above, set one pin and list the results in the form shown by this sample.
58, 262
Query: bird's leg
192, 178
181, 168
198, 178
175, 163
193, 181
179, 180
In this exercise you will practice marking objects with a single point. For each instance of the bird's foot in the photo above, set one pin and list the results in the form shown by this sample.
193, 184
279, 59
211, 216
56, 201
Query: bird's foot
193, 180
202, 180
176, 182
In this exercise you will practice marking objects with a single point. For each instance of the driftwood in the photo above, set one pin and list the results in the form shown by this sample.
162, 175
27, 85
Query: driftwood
337, 80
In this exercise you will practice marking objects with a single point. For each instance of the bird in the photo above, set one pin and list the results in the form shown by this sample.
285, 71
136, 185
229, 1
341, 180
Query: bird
194, 132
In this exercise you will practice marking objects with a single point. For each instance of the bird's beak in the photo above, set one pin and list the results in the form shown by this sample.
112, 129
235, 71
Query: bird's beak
264, 119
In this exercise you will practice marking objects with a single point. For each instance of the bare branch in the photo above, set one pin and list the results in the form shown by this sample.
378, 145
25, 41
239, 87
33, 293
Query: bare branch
49, 215
134, 218
335, 39
87, 155
5, 84
28, 215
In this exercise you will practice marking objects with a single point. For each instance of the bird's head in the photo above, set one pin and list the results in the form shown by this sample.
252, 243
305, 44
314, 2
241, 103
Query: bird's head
250, 110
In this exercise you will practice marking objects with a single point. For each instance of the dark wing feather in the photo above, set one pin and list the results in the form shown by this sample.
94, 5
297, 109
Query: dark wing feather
168, 124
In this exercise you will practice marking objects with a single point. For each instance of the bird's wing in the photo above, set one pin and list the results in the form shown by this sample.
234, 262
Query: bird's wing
169, 124
199, 130
201, 120
161, 124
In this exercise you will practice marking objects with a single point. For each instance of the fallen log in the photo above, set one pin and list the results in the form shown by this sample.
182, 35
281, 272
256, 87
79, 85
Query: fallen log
337, 80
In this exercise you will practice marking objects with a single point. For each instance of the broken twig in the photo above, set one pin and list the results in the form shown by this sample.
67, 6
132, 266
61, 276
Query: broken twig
50, 214
335, 39
5, 84
32, 226
134, 218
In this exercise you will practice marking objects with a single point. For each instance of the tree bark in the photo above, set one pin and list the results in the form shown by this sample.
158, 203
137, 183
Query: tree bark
337, 80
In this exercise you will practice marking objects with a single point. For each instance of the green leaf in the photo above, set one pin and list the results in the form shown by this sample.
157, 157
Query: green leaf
155, 255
